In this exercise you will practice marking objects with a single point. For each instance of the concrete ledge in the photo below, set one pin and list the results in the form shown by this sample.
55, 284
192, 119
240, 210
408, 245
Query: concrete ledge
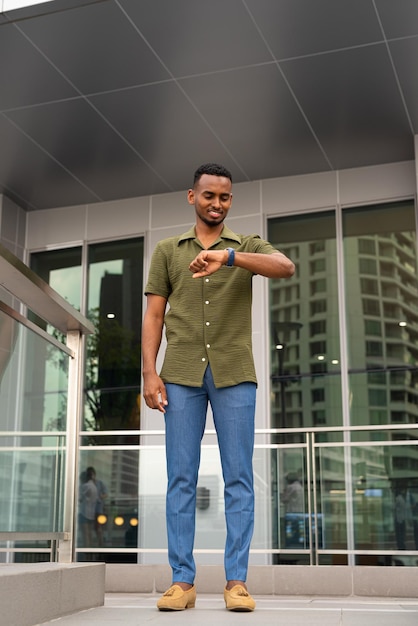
280, 580
38, 592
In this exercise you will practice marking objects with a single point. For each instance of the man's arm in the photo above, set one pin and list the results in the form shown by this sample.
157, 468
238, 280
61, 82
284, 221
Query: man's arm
154, 391
275, 265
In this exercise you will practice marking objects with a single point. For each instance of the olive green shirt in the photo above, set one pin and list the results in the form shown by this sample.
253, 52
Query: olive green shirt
209, 318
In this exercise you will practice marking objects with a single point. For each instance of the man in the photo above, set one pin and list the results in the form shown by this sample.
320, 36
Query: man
205, 276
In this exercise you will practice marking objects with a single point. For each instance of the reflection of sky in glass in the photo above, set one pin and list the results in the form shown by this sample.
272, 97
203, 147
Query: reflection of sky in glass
67, 282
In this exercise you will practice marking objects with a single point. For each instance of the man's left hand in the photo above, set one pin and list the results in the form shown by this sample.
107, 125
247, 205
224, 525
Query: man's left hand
208, 262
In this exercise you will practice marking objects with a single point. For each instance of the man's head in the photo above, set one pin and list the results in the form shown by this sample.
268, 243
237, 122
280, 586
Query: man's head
213, 169
211, 194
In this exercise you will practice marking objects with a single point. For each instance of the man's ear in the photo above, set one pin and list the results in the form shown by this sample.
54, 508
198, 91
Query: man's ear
190, 196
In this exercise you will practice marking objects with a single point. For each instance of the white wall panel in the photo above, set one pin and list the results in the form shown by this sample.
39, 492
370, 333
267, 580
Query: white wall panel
380, 183
171, 209
56, 227
246, 199
121, 218
299, 193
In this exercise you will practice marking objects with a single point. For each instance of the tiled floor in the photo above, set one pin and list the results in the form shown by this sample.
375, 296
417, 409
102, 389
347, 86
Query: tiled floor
139, 609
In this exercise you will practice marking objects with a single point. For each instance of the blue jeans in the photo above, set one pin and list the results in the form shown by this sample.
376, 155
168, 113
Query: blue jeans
233, 411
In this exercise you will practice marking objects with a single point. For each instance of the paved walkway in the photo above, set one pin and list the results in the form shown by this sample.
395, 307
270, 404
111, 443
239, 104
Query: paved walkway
139, 609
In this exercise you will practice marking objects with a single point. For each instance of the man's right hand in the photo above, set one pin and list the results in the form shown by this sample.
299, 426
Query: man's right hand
154, 392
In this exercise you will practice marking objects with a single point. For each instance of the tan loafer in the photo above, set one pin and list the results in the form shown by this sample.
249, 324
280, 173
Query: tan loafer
238, 599
176, 599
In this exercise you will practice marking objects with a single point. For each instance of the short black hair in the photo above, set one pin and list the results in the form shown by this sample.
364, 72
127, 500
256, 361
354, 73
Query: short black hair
213, 169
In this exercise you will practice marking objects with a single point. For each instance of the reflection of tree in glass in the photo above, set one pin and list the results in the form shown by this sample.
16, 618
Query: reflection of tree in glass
112, 375
58, 359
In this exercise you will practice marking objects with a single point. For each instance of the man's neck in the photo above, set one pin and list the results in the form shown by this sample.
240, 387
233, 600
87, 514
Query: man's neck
208, 235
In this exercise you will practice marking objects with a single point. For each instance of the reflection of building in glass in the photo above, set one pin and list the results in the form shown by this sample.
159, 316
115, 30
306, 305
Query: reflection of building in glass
305, 333
377, 269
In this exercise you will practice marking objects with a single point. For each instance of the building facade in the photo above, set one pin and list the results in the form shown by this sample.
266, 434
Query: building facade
336, 458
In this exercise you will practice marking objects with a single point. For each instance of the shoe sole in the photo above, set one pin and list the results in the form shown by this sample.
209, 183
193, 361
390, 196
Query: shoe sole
175, 608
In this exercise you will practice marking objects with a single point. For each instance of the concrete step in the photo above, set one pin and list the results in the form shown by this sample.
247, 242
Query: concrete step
38, 592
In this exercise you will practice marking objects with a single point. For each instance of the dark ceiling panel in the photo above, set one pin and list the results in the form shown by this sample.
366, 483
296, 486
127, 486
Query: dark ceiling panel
25, 169
83, 143
402, 52
164, 128
399, 18
26, 78
198, 37
96, 47
352, 100
267, 136
298, 27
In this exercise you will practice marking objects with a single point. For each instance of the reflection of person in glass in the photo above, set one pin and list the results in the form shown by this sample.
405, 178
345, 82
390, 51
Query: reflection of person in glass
205, 276
293, 499
87, 502
413, 502
101, 497
400, 516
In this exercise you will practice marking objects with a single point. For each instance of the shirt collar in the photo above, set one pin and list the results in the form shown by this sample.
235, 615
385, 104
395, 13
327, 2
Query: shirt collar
226, 233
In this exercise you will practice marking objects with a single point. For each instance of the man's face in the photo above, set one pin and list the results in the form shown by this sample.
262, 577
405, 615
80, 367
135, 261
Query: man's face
212, 198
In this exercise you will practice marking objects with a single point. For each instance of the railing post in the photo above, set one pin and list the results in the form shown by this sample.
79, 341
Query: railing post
75, 394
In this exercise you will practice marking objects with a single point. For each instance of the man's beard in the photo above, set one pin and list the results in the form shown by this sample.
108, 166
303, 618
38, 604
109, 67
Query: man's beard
212, 223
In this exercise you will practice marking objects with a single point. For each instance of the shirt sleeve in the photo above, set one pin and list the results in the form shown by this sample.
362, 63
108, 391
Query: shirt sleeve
158, 279
261, 246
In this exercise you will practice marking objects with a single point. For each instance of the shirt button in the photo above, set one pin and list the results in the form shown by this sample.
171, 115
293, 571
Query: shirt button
203, 359
206, 280
208, 345
206, 301
207, 323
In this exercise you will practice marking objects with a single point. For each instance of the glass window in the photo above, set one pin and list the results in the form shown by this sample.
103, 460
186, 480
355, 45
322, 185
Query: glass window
114, 305
393, 317
367, 266
373, 327
318, 306
318, 286
369, 286
367, 246
318, 265
318, 328
62, 270
112, 299
292, 394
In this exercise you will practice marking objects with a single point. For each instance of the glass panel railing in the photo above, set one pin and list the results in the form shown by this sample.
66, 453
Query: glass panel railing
326, 502
33, 401
380, 480
130, 525
31, 484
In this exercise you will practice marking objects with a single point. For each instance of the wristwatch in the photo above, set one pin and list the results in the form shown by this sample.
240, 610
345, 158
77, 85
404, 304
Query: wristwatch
231, 257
